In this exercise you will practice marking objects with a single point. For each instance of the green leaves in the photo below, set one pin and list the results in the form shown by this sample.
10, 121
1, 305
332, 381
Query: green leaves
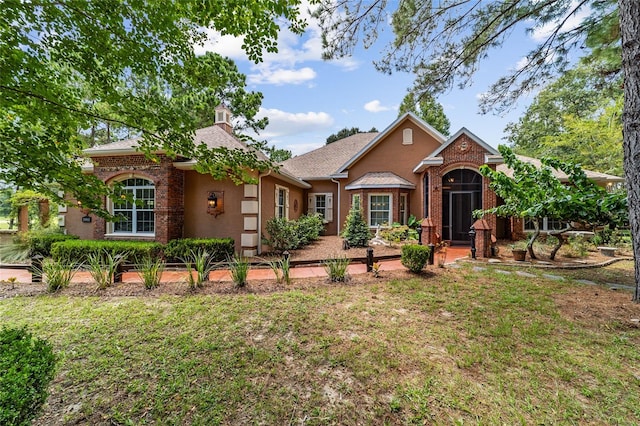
534, 193
69, 70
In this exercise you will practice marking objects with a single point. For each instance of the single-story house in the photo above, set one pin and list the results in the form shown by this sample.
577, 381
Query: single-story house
408, 168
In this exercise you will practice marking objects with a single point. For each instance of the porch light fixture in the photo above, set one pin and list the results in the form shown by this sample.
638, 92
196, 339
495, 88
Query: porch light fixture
212, 201
215, 205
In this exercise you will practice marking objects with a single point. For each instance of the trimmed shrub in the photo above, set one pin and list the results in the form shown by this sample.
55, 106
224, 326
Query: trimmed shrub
218, 249
82, 250
27, 366
414, 257
309, 228
283, 234
40, 243
396, 233
356, 231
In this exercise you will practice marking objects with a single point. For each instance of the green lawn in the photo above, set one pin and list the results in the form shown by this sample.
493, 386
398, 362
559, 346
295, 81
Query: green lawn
463, 347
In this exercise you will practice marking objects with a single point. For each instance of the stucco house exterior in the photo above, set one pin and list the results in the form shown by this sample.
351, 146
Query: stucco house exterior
408, 168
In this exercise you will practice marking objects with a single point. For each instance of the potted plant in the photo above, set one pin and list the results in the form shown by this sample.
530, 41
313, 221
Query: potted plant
519, 251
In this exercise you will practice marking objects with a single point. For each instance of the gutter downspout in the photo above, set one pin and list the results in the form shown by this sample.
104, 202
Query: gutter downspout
338, 209
260, 176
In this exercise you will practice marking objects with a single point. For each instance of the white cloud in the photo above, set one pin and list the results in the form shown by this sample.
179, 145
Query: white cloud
376, 106
541, 33
225, 45
282, 76
280, 68
522, 63
303, 148
282, 123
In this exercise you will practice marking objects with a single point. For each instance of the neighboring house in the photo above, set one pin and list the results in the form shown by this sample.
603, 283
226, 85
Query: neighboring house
408, 168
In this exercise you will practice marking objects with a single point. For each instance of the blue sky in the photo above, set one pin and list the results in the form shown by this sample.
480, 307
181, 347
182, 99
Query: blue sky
307, 99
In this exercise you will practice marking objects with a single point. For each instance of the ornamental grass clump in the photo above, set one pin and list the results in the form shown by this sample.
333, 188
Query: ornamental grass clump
336, 268
281, 269
200, 262
58, 275
239, 267
104, 265
150, 271
414, 257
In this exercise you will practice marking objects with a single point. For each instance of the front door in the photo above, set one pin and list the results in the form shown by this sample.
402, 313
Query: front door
461, 195
461, 215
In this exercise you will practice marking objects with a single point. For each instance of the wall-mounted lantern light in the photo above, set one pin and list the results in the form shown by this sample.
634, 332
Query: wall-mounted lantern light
215, 203
212, 200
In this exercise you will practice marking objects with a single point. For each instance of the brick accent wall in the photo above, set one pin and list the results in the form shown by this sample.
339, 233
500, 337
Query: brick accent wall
461, 153
169, 190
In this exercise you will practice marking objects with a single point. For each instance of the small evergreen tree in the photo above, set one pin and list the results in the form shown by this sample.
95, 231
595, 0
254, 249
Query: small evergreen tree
356, 231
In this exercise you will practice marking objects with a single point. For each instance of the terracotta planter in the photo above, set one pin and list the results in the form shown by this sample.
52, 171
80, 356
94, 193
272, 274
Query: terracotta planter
519, 255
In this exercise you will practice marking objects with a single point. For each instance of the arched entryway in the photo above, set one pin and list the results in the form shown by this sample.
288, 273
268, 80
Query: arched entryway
461, 195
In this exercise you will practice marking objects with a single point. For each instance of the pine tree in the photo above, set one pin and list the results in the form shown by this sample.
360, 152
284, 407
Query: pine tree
356, 231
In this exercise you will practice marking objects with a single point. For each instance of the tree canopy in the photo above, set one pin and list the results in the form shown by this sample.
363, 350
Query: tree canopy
444, 43
427, 108
534, 193
65, 66
578, 118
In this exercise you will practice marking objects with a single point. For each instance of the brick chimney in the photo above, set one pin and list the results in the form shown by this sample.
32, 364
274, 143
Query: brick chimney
223, 118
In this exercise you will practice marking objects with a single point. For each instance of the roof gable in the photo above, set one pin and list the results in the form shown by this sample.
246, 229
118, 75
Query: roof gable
386, 132
464, 131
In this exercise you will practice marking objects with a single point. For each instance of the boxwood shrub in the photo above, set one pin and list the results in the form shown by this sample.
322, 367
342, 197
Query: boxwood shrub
414, 257
27, 366
79, 250
284, 234
219, 249
40, 242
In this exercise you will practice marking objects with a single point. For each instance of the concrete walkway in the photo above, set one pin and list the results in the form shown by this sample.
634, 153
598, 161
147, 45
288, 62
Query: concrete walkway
453, 253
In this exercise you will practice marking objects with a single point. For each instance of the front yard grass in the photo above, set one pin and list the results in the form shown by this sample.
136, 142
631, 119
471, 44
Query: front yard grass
463, 347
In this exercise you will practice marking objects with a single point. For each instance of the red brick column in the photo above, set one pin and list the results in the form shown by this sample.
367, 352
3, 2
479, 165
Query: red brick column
483, 238
428, 232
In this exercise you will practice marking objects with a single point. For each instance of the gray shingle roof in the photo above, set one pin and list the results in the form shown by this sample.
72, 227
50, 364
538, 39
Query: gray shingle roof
213, 137
325, 161
380, 180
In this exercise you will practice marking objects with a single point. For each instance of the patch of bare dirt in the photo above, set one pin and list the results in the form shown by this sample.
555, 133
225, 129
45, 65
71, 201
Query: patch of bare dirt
599, 307
331, 246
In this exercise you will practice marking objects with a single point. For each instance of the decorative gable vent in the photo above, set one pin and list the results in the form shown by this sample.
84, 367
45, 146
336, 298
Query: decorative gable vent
407, 136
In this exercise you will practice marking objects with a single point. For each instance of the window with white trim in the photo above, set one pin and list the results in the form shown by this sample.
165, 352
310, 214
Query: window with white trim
403, 209
282, 202
134, 205
322, 203
355, 202
379, 209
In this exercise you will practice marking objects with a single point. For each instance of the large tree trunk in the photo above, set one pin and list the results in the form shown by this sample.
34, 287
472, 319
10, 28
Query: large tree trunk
630, 30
